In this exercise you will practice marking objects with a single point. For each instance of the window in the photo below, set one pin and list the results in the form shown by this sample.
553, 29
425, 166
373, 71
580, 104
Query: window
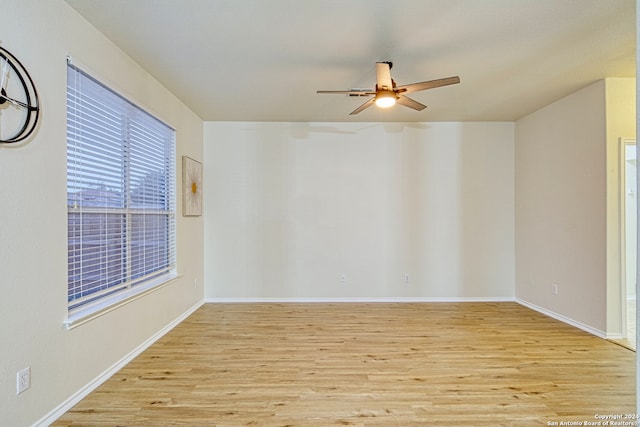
120, 195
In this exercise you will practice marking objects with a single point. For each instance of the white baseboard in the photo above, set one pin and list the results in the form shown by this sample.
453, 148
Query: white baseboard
615, 337
328, 300
564, 319
96, 382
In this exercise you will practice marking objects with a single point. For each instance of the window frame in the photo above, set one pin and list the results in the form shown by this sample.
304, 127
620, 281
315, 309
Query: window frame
164, 193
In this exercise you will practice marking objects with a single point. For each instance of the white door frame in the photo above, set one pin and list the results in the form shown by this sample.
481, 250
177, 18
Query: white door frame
624, 142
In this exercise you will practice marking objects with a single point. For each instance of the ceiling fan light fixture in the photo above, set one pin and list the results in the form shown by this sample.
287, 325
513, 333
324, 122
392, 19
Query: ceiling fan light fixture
386, 93
386, 99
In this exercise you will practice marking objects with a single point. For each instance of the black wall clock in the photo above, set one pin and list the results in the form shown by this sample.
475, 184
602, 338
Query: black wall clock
19, 104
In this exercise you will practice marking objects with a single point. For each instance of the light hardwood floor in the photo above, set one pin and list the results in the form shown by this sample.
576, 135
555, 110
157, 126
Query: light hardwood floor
440, 364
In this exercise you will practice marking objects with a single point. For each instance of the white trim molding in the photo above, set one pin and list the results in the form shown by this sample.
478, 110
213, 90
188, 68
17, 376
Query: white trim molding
96, 382
564, 319
329, 300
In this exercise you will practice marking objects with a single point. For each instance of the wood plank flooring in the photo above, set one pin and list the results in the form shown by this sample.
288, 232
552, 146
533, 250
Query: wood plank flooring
432, 364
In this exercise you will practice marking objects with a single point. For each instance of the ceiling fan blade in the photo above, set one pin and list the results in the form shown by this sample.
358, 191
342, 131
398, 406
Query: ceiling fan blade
364, 92
408, 102
383, 76
416, 87
366, 105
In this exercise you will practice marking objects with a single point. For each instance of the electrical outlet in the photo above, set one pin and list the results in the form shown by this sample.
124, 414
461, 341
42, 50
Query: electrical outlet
343, 277
406, 277
554, 289
23, 380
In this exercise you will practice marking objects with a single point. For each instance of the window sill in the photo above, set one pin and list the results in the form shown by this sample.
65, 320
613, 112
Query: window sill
86, 314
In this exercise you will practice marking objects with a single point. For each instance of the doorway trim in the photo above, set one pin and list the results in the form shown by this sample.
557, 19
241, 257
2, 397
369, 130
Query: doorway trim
623, 144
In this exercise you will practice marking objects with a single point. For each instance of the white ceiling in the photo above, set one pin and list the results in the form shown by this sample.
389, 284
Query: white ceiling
263, 60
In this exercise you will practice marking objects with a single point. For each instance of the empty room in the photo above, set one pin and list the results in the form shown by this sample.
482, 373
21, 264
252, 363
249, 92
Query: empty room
315, 213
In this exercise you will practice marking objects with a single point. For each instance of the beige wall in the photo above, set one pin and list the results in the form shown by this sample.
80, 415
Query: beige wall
567, 207
291, 206
33, 221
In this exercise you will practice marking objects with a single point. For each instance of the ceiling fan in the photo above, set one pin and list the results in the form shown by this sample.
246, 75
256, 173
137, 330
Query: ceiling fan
387, 93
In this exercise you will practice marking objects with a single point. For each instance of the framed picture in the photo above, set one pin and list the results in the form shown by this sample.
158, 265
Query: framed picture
191, 187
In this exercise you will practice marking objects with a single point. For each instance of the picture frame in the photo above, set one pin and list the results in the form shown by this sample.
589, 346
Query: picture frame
191, 187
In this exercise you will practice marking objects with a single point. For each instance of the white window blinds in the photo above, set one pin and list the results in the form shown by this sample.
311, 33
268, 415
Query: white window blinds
120, 193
